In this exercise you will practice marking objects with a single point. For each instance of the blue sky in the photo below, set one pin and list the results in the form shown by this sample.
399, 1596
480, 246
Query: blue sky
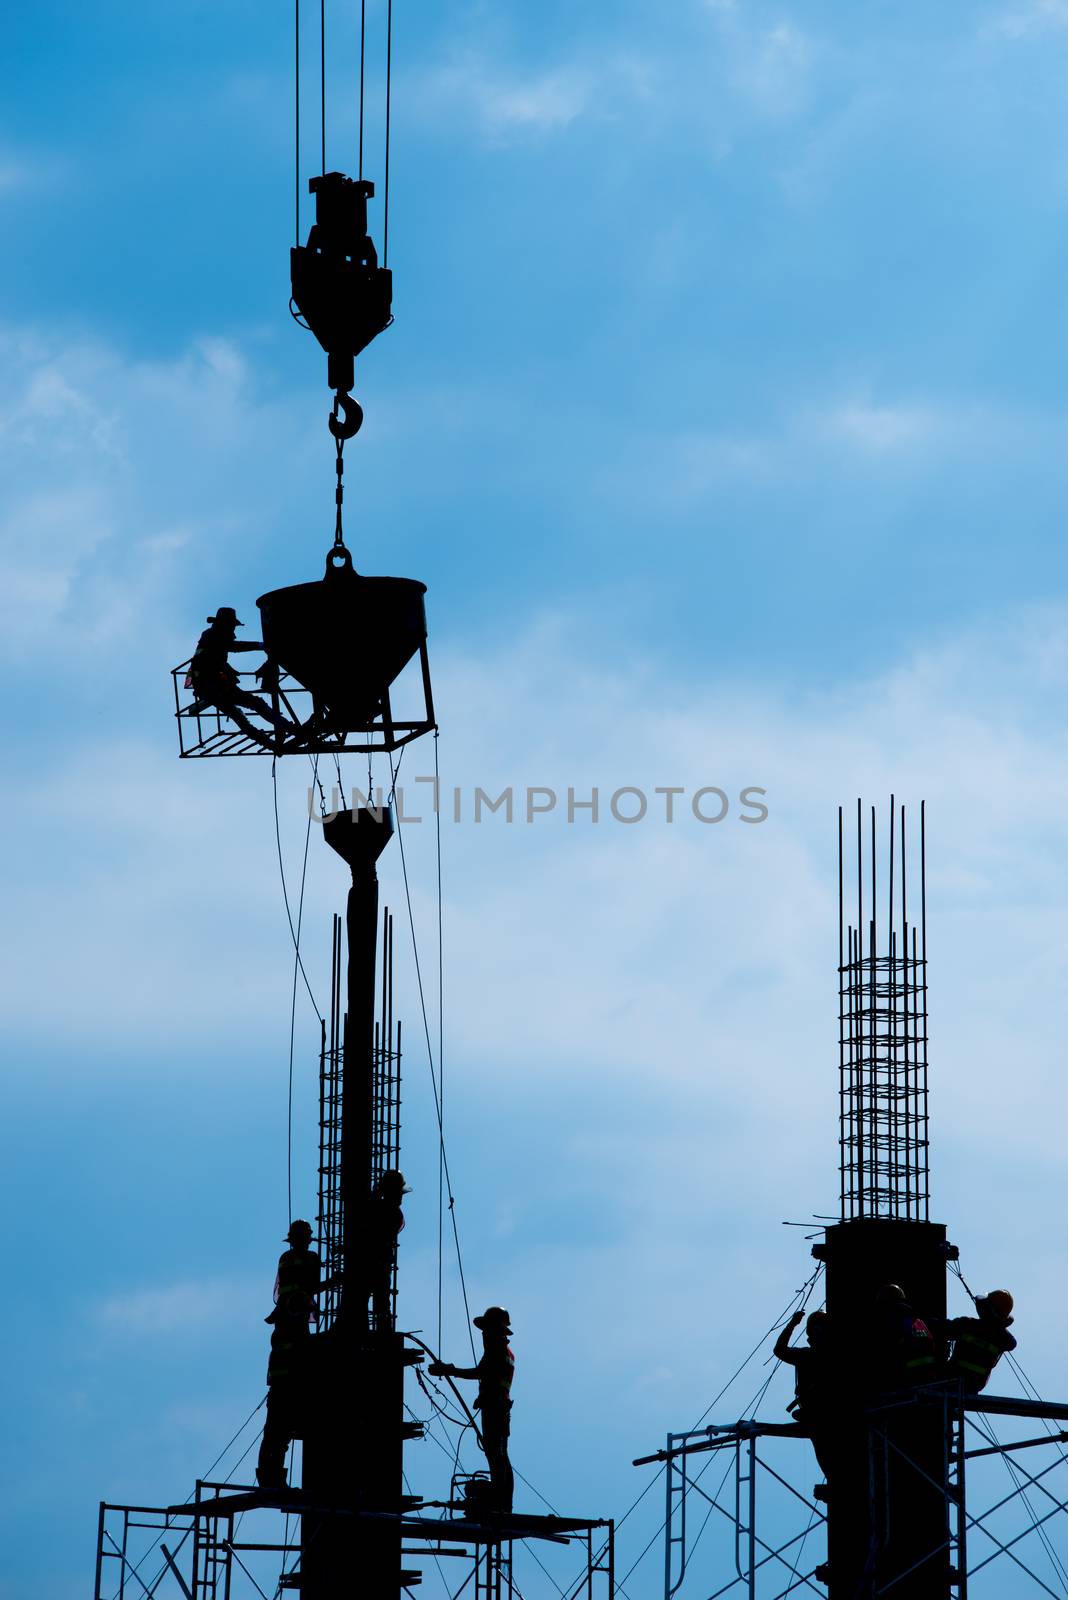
723, 416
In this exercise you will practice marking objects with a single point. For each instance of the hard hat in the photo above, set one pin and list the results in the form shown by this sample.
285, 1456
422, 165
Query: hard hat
229, 615
392, 1179
494, 1317
888, 1293
999, 1301
298, 1228
816, 1321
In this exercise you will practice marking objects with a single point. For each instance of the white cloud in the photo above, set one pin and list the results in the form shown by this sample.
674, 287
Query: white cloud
500, 101
655, 957
1038, 16
884, 428
827, 434
100, 492
774, 69
503, 101
190, 1307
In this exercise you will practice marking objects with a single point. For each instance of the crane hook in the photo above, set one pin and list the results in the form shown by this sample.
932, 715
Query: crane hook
351, 420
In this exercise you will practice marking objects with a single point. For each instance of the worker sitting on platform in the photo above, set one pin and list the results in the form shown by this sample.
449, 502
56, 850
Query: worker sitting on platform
979, 1342
903, 1346
216, 683
296, 1290
813, 1381
383, 1223
494, 1404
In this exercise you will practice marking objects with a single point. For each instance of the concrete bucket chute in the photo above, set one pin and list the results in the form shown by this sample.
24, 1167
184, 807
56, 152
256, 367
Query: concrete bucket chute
346, 638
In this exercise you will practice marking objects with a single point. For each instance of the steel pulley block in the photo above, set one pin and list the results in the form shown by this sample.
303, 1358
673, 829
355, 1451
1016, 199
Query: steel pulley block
339, 289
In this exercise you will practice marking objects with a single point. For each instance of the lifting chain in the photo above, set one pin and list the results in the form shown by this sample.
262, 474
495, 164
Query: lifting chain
344, 423
339, 494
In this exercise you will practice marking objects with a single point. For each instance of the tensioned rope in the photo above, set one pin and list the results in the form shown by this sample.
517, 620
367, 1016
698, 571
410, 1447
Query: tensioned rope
443, 1153
285, 895
322, 78
298, 965
751, 1406
798, 1301
363, 55
296, 121
441, 1034
389, 100
135, 1569
986, 1429
293, 1008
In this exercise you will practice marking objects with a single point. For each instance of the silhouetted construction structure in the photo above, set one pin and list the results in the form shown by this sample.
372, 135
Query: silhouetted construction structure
335, 651
895, 1512
358, 1530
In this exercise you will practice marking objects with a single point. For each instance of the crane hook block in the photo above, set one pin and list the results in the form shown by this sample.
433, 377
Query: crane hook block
346, 419
339, 289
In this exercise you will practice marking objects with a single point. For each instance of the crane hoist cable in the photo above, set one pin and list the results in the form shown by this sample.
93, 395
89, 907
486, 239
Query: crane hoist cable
340, 292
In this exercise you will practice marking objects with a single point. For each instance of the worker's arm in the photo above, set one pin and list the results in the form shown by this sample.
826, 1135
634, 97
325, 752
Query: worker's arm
782, 1349
445, 1369
245, 644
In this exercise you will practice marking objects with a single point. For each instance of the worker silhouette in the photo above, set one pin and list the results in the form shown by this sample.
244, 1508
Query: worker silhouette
979, 1342
814, 1382
382, 1224
216, 683
494, 1376
903, 1348
295, 1314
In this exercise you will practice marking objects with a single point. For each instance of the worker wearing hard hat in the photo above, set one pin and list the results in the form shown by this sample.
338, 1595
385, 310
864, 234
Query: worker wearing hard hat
813, 1379
296, 1288
904, 1346
382, 1225
494, 1374
979, 1342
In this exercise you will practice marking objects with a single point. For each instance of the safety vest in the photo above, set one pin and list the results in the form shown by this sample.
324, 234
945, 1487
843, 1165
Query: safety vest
976, 1350
495, 1373
919, 1349
296, 1287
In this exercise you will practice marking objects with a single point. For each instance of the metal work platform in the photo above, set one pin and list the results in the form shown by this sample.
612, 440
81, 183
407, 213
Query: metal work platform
198, 1550
209, 730
335, 649
753, 1495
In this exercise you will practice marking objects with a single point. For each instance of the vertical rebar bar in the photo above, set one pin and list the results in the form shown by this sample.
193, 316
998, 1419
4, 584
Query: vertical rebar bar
882, 1046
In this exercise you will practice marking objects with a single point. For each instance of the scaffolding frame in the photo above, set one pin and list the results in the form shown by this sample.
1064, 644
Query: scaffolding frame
206, 1562
754, 1554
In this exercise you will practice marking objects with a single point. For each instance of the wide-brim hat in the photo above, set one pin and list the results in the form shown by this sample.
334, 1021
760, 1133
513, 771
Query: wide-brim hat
494, 1317
227, 614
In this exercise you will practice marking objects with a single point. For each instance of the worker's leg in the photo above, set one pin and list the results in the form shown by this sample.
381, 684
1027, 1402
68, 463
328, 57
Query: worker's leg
382, 1297
277, 1437
262, 708
495, 1440
822, 1444
229, 708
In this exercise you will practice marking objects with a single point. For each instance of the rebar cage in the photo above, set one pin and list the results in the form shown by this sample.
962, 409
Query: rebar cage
385, 1136
882, 1010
